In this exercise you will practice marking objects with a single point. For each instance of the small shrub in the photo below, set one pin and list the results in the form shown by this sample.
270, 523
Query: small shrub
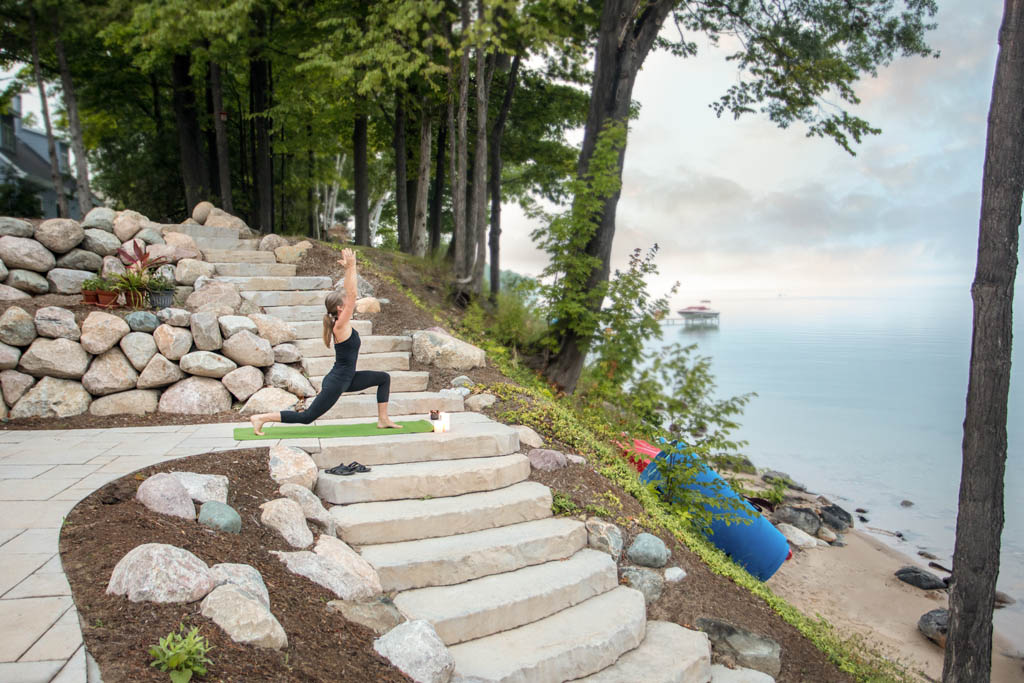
562, 505
181, 656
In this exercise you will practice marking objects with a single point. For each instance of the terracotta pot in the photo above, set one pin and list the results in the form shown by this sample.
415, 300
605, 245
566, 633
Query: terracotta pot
89, 296
106, 298
134, 299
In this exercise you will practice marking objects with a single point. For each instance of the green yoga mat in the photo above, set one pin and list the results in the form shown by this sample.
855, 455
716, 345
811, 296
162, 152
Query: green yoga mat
331, 431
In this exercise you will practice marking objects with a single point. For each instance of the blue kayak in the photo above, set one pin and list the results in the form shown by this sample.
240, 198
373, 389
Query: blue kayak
758, 547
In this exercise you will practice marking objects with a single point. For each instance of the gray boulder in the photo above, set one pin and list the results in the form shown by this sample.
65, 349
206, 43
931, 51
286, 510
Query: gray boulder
647, 581
100, 218
206, 331
15, 227
67, 281
285, 516
139, 348
744, 647
112, 267
195, 396
159, 372
150, 236
61, 358
10, 355
233, 324
177, 317
101, 331
80, 259
604, 536
269, 400
647, 550
288, 378
59, 235
274, 330
173, 342
14, 385
53, 398
287, 353
379, 615
27, 254
797, 537
220, 516
674, 574
243, 617
187, 270
142, 321
836, 517
156, 572
416, 650
127, 223
271, 242
8, 293
443, 351
163, 493
244, 576
292, 465
206, 364
57, 323
201, 212
921, 578
312, 508
27, 281
546, 460
134, 402
110, 373
772, 476
17, 327
101, 243
802, 518
245, 348
480, 401
243, 382
203, 488
214, 293
935, 626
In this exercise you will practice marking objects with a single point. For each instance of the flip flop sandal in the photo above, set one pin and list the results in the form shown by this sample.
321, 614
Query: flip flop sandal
356, 467
342, 470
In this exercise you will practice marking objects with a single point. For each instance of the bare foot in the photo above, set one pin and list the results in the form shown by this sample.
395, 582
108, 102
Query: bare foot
387, 424
257, 425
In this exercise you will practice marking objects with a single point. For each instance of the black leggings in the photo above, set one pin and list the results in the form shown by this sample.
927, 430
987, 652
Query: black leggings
334, 387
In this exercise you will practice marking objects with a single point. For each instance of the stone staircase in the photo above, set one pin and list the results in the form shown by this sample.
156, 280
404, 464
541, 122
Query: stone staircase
452, 525
299, 300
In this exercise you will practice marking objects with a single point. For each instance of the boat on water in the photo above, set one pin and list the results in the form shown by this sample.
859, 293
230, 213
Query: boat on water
700, 314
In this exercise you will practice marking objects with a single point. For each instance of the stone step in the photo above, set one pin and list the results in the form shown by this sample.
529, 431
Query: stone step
468, 438
454, 559
226, 244
422, 479
238, 256
403, 381
575, 642
271, 283
299, 313
314, 348
399, 403
314, 329
304, 297
395, 360
203, 232
668, 654
252, 269
409, 520
505, 601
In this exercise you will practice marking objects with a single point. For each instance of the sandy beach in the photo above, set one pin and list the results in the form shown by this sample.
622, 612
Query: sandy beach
855, 589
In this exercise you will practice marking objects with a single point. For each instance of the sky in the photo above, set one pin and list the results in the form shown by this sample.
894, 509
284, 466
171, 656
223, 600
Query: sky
743, 206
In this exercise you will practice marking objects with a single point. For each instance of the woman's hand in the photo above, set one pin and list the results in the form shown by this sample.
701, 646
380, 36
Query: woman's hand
348, 258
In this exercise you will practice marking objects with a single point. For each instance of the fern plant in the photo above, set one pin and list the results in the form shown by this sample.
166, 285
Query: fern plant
181, 654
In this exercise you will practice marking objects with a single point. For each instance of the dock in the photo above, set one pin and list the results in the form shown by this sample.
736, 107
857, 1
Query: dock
695, 316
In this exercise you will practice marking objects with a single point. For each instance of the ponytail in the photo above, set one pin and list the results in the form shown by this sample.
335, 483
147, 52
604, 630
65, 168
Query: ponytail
331, 303
328, 329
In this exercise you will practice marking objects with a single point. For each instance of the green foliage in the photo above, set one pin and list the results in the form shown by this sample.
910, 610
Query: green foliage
181, 655
20, 197
512, 322
562, 505
160, 284
777, 493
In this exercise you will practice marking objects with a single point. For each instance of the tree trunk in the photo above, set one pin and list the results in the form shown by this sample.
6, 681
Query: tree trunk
624, 39
263, 160
401, 175
310, 207
362, 183
484, 74
419, 223
459, 179
51, 145
221, 137
437, 199
158, 118
77, 144
968, 656
494, 150
194, 173
378, 207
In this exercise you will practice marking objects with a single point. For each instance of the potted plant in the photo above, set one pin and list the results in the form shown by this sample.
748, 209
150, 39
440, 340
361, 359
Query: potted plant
161, 292
106, 292
135, 282
90, 287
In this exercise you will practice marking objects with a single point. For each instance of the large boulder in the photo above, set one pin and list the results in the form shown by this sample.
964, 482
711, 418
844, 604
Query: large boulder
201, 212
100, 331
271, 242
173, 342
204, 487
365, 581
243, 382
27, 254
802, 518
100, 243
367, 305
62, 358
178, 317
288, 378
546, 459
743, 647
170, 253
287, 353
14, 384
206, 331
245, 348
647, 550
10, 355
134, 402
66, 281
604, 536
416, 650
206, 364
294, 253
156, 572
231, 325
57, 323
110, 373
112, 267
222, 219
100, 218
647, 581
311, 505
142, 321
935, 626
163, 493
27, 281
80, 259
444, 351
195, 396
8, 293
220, 516
150, 235
284, 516
243, 617
159, 372
59, 235
796, 537
214, 293
921, 578
290, 465
127, 224
180, 240
139, 348
188, 270
15, 227
836, 517
274, 330
17, 327
244, 576
379, 615
324, 572
269, 400
53, 397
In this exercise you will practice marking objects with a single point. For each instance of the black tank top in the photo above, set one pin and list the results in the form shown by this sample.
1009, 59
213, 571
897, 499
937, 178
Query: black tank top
346, 353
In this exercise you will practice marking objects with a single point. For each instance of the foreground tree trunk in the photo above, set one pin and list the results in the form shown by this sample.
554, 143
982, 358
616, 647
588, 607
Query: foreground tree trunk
419, 220
194, 173
401, 175
979, 527
437, 198
459, 156
494, 149
625, 37
484, 73
84, 193
51, 145
263, 160
221, 135
362, 184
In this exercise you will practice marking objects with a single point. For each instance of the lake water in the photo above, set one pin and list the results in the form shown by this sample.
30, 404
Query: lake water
862, 400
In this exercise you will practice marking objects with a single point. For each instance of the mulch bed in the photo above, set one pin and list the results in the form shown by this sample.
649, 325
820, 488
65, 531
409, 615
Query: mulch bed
702, 593
118, 633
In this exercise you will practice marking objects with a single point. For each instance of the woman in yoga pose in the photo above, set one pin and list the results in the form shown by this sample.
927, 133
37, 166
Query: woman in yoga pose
343, 376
